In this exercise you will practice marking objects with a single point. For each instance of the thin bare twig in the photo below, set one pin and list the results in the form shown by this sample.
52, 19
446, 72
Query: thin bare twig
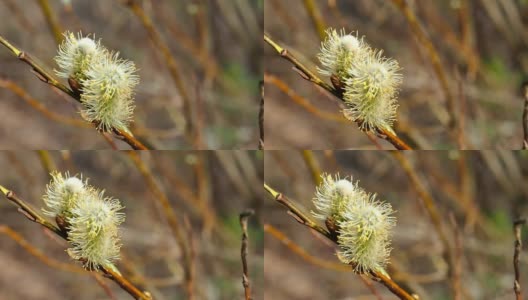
517, 225
33, 216
261, 117
46, 77
243, 218
310, 76
302, 218
525, 115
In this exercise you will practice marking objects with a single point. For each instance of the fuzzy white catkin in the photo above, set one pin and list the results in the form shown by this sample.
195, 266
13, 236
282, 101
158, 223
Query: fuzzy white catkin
94, 230
370, 91
61, 194
106, 82
363, 224
90, 219
76, 54
108, 92
338, 51
364, 234
333, 195
369, 80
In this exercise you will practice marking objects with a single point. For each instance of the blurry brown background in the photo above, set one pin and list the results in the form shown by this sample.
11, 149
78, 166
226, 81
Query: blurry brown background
210, 201
216, 43
482, 46
485, 191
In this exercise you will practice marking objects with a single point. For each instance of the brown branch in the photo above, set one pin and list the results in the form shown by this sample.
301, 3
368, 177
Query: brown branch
15, 236
525, 115
243, 218
301, 101
46, 77
307, 221
310, 76
33, 216
517, 226
276, 233
15, 88
261, 117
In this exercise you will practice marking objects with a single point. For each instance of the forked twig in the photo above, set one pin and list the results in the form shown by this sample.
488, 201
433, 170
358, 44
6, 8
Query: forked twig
33, 216
307, 221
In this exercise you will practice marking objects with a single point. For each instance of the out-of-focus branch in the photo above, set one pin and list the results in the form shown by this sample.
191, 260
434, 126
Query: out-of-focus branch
15, 88
244, 252
33, 216
317, 18
310, 76
173, 66
434, 57
303, 102
51, 19
429, 204
312, 165
175, 224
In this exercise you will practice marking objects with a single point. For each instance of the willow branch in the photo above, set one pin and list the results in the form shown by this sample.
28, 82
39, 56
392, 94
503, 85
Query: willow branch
46, 77
307, 221
243, 218
33, 216
310, 76
517, 225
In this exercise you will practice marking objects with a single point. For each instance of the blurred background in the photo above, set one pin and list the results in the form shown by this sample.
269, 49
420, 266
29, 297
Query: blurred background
482, 48
207, 191
481, 192
216, 44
